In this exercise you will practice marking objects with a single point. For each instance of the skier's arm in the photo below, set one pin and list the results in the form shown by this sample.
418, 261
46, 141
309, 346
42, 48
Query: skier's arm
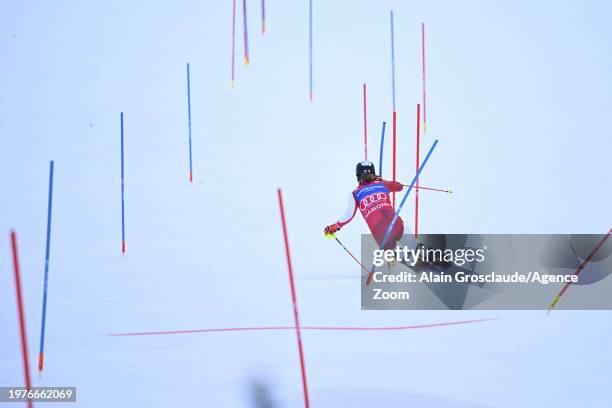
350, 212
392, 185
345, 218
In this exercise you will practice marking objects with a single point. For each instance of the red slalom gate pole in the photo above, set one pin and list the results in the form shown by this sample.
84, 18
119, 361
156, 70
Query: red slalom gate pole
22, 326
418, 163
296, 316
365, 121
393, 96
394, 149
424, 89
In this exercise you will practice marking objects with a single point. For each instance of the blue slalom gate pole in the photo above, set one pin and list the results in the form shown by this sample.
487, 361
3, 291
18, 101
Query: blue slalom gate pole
416, 176
246, 33
45, 285
122, 193
310, 47
382, 144
189, 121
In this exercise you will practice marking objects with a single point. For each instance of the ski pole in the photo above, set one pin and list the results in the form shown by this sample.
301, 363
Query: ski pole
580, 268
429, 188
333, 236
416, 176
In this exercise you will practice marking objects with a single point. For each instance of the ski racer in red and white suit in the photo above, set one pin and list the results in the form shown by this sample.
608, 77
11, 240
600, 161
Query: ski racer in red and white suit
372, 197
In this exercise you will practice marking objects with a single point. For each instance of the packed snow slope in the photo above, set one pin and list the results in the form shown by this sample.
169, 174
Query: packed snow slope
518, 95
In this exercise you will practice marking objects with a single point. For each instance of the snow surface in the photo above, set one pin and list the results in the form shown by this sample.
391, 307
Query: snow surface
518, 95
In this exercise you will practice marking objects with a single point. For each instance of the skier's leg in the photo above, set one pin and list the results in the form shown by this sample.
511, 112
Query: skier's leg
396, 235
406, 238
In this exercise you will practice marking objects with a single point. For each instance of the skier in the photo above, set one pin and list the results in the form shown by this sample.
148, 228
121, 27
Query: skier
372, 198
